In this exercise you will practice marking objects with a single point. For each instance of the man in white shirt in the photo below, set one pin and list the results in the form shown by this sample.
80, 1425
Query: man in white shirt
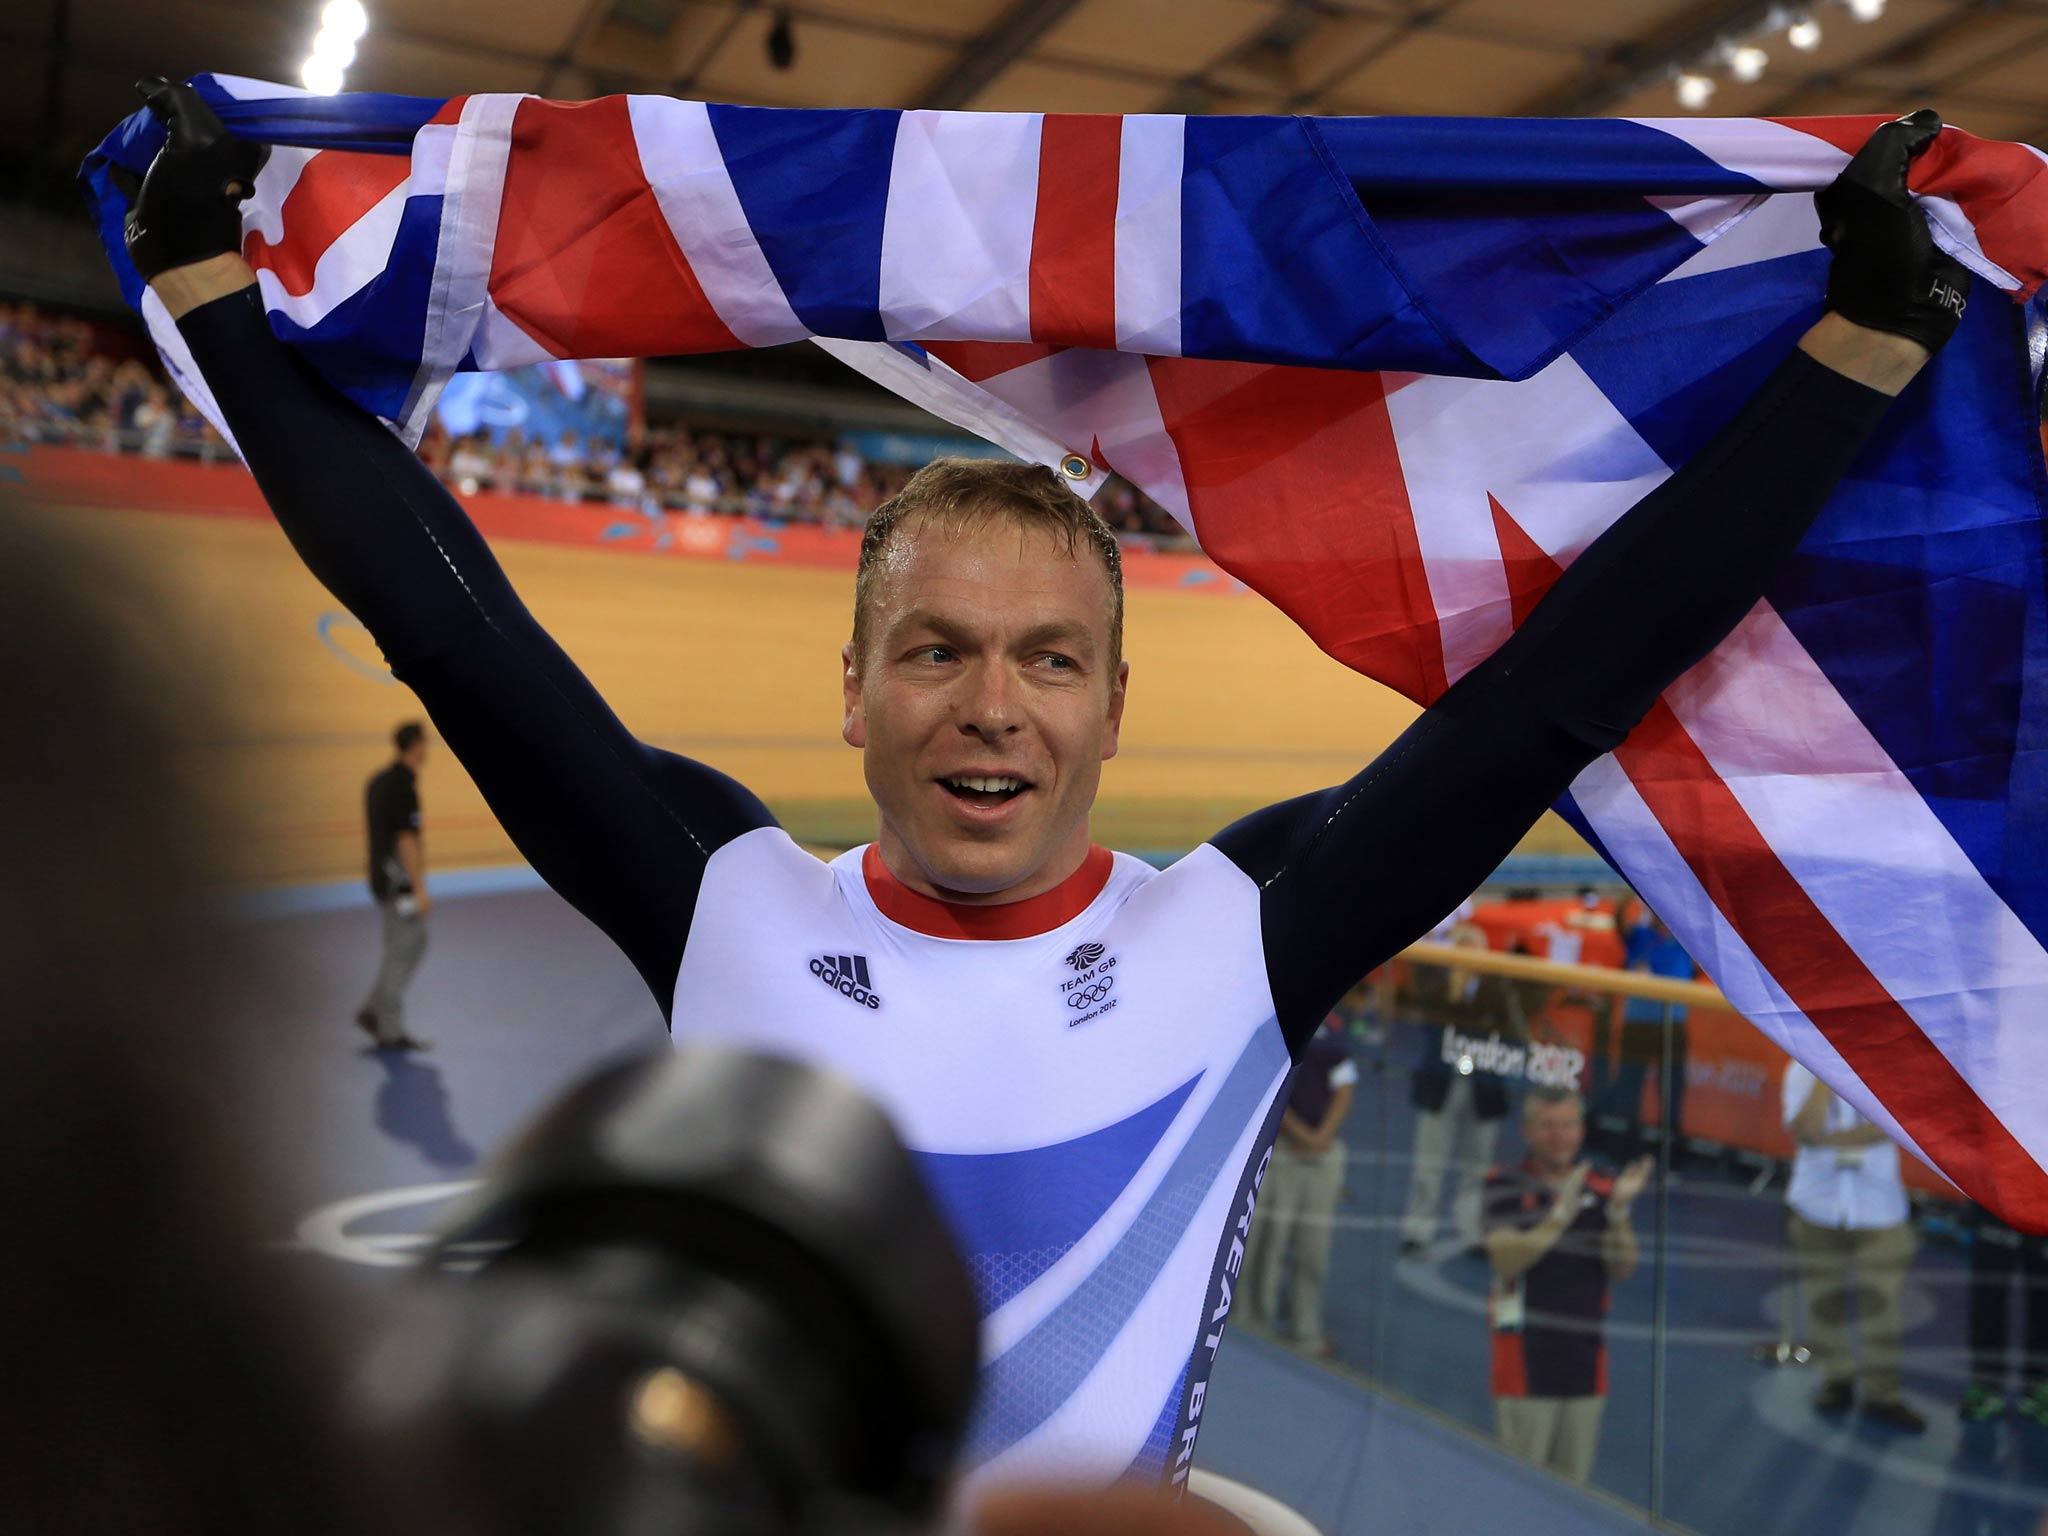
1849, 1212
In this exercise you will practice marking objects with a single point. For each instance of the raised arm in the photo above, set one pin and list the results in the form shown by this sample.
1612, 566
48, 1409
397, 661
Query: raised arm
1352, 874
621, 830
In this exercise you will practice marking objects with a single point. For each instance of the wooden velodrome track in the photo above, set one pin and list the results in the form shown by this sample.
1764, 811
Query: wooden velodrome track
731, 661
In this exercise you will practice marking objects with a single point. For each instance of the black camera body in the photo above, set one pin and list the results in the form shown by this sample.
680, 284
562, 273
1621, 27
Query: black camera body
719, 1298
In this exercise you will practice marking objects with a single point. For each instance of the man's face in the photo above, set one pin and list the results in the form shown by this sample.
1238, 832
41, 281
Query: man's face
986, 658
1554, 1133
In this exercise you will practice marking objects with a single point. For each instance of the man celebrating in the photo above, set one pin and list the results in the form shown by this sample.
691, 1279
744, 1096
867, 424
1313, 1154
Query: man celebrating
1087, 1053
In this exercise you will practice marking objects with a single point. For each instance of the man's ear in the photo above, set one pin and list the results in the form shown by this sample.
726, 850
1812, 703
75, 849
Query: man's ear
1116, 710
853, 721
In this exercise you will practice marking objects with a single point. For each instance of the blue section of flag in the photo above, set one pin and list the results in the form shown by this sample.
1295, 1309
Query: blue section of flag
1279, 264
1536, 272
815, 188
1019, 1211
369, 345
1519, 154
373, 122
1682, 359
129, 148
1919, 592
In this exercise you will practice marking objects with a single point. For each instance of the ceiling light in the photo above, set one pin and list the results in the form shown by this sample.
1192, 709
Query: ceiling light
1747, 63
321, 76
1804, 34
337, 50
345, 18
1866, 10
1695, 91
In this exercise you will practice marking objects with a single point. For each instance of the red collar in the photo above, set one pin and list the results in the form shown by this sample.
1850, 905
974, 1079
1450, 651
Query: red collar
1009, 920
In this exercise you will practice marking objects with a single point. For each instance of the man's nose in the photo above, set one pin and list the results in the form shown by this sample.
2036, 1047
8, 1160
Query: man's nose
988, 709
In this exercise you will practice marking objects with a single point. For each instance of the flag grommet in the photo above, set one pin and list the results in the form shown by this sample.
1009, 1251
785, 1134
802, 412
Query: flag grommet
1074, 467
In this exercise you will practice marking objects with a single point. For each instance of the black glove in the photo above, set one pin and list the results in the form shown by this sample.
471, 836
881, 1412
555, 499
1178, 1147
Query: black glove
189, 205
1887, 273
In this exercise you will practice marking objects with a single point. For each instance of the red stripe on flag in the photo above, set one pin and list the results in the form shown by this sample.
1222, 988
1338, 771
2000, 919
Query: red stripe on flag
1825, 979
585, 263
1296, 488
1530, 570
334, 190
2001, 188
1073, 242
978, 360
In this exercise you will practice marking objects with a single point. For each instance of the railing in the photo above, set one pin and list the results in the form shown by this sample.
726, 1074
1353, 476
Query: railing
1683, 1385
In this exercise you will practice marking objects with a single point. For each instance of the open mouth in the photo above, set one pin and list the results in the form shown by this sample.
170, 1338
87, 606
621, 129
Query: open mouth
984, 790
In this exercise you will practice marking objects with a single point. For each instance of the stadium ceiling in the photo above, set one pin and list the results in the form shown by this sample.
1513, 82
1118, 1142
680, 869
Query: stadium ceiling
67, 64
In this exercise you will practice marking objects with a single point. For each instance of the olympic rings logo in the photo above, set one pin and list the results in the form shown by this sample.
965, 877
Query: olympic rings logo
1090, 995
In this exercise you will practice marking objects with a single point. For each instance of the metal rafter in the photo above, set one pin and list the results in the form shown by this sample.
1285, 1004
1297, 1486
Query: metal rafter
995, 50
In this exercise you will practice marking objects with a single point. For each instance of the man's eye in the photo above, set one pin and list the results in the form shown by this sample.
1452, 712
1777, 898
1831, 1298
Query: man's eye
1058, 662
932, 655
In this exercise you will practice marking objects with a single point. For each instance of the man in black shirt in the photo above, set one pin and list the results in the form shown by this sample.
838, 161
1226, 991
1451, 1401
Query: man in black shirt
398, 873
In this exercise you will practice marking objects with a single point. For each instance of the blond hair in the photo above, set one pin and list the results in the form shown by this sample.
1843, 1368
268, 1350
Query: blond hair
962, 494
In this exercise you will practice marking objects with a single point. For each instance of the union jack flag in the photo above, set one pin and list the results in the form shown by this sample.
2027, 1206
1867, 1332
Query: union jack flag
1392, 373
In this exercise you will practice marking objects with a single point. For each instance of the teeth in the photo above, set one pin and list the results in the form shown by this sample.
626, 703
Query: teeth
986, 786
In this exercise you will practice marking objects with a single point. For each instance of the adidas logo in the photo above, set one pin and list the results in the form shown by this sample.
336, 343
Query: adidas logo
848, 976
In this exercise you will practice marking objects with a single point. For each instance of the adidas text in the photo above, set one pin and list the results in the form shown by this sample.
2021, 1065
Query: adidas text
848, 976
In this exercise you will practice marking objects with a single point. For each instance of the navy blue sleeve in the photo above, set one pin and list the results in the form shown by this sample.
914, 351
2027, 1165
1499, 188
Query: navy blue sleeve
1352, 875
623, 831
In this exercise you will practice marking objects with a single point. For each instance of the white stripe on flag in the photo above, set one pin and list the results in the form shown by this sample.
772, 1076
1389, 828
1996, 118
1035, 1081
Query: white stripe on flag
1787, 159
170, 342
462, 261
433, 150
1954, 233
263, 212
956, 240
1706, 219
1875, 859
1087, 397
1631, 833
1783, 225
243, 88
498, 343
929, 383
680, 157
1561, 460
357, 257
1148, 236
1783, 159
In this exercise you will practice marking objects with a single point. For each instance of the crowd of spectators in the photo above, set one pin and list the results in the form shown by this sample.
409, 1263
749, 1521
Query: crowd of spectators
61, 382
673, 468
680, 468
